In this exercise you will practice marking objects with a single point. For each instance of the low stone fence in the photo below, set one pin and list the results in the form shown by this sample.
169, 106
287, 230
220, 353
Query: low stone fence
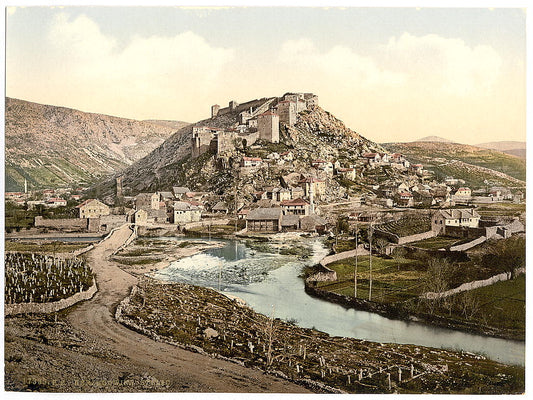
404, 239
416, 237
504, 276
46, 308
326, 274
343, 255
469, 245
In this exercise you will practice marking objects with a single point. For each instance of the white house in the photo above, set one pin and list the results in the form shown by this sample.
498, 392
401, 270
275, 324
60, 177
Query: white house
464, 217
185, 212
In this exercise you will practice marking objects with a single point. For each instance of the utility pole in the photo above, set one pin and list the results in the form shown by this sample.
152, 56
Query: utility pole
355, 270
370, 263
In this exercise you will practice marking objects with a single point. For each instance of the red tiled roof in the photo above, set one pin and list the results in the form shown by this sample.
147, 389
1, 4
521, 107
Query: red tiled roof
369, 155
84, 203
294, 202
252, 159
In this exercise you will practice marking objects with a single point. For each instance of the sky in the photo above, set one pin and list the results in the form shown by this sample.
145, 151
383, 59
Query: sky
391, 74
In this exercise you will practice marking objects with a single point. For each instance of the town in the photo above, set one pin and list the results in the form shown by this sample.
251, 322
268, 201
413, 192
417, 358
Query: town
275, 175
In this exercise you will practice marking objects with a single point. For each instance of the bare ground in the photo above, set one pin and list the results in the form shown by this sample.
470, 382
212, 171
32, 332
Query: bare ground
88, 351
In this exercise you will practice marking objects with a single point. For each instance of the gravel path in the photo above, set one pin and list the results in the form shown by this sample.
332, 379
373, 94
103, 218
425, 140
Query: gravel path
183, 370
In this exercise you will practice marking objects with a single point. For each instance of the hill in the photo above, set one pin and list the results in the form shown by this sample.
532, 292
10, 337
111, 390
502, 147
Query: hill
56, 146
433, 139
471, 163
315, 134
513, 148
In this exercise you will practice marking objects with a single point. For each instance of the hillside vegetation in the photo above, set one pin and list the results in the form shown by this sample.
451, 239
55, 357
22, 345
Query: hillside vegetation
473, 164
56, 146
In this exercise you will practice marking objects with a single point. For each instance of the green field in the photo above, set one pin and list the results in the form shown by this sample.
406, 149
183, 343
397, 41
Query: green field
393, 280
501, 305
435, 243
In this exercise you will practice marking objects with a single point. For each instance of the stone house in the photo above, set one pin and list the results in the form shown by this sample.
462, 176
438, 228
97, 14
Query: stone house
92, 208
180, 191
346, 173
295, 207
290, 222
56, 202
220, 207
243, 213
404, 199
372, 158
137, 217
264, 220
313, 223
185, 212
147, 201
318, 186
441, 219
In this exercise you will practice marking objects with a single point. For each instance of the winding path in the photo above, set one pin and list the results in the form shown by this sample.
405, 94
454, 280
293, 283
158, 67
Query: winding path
184, 370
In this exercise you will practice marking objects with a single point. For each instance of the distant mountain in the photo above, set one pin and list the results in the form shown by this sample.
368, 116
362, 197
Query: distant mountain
177, 125
433, 139
471, 163
56, 146
514, 148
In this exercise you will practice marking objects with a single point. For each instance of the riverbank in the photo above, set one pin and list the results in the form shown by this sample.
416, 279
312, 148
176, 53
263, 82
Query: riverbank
211, 323
403, 314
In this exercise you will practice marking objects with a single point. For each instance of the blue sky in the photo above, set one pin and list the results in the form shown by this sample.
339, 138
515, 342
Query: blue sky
388, 73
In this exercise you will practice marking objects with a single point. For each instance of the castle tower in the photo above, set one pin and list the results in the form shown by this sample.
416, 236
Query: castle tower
214, 110
233, 105
268, 126
287, 111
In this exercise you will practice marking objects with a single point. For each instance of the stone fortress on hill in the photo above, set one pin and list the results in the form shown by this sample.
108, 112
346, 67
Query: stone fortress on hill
249, 122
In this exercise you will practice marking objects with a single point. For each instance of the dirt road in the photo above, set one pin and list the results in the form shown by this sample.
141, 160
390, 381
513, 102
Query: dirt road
183, 370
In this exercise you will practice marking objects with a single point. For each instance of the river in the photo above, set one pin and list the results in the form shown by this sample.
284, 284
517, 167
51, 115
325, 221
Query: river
270, 284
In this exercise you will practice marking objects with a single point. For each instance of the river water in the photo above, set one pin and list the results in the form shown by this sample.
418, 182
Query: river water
270, 284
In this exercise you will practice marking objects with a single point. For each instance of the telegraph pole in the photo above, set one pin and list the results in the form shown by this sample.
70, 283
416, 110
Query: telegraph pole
370, 263
355, 270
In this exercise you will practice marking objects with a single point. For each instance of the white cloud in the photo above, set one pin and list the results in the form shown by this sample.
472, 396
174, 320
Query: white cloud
148, 70
339, 64
445, 64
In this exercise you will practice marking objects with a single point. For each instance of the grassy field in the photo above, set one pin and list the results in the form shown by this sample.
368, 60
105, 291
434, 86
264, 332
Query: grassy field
499, 305
393, 280
400, 281
44, 248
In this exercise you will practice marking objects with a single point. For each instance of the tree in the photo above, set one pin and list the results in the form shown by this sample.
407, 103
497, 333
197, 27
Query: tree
507, 255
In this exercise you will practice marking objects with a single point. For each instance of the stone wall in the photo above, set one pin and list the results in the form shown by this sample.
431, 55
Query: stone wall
469, 245
343, 255
504, 276
404, 239
417, 237
46, 308
78, 224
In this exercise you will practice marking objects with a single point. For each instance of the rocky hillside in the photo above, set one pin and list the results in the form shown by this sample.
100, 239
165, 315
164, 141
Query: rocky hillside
471, 163
56, 146
316, 134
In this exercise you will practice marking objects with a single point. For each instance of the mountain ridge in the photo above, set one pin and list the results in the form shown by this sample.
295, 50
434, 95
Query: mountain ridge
52, 146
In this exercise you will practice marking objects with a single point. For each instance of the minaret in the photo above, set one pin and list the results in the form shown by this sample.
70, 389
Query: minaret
311, 196
25, 186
